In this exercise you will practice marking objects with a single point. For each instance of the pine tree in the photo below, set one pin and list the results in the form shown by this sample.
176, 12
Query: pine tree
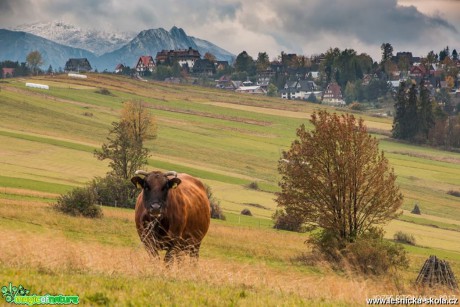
425, 114
399, 131
411, 117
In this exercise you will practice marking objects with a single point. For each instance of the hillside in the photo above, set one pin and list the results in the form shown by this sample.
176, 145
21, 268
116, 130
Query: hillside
17, 45
229, 140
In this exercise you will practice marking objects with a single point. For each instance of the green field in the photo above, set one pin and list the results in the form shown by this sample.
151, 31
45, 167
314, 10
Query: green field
47, 139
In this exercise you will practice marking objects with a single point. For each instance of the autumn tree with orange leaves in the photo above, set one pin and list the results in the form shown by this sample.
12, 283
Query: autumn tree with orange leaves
335, 177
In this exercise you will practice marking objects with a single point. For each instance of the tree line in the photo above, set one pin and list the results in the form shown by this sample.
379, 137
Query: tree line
425, 119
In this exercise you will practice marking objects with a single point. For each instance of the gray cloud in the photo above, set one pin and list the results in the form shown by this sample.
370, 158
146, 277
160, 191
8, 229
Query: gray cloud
289, 25
368, 21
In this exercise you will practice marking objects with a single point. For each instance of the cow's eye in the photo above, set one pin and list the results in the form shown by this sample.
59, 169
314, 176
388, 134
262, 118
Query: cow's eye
146, 187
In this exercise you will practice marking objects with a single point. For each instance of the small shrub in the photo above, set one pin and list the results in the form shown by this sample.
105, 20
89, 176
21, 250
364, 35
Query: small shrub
216, 211
374, 255
103, 91
454, 193
113, 191
246, 212
312, 98
253, 185
368, 254
356, 106
79, 202
285, 221
403, 237
89, 114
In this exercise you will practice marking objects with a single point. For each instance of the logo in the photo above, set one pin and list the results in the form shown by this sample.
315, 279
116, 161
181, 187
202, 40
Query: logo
19, 295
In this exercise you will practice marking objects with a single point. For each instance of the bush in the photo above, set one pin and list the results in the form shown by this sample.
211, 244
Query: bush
403, 237
285, 221
368, 254
246, 212
356, 106
454, 193
372, 254
113, 191
216, 211
103, 91
79, 201
312, 98
253, 185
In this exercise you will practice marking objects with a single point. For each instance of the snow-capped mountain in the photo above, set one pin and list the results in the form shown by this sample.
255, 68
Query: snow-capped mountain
16, 45
96, 41
149, 42
51, 38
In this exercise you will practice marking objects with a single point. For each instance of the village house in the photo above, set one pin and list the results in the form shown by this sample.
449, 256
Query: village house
204, 67
300, 89
222, 65
119, 68
264, 77
333, 95
186, 58
77, 65
226, 83
418, 71
144, 64
253, 89
7, 72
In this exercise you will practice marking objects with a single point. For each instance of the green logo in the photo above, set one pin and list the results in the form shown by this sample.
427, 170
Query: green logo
19, 295
9, 293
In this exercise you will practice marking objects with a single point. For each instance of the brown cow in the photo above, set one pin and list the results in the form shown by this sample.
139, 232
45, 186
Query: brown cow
171, 214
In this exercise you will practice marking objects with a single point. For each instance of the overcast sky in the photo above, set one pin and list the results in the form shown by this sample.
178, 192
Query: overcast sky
293, 26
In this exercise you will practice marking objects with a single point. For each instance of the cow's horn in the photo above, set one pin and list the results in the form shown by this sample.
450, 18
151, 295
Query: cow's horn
170, 173
141, 172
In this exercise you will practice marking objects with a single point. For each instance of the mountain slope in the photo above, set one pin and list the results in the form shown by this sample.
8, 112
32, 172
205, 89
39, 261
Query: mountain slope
96, 41
149, 42
16, 45
205, 46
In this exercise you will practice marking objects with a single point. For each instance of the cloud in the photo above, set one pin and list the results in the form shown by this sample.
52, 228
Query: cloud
264, 25
368, 21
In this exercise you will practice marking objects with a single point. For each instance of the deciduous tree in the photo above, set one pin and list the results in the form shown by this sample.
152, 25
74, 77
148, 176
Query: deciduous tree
34, 61
209, 56
125, 142
334, 176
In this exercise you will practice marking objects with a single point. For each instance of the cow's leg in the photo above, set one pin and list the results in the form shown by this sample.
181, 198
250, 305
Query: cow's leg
194, 253
169, 257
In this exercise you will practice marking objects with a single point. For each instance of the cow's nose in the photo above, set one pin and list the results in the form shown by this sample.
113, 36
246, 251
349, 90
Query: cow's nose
155, 207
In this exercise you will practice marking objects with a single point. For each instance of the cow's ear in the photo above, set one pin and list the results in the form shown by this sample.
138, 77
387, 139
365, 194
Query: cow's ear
138, 182
174, 182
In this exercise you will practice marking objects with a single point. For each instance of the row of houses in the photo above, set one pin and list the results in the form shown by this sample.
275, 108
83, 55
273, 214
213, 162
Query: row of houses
188, 59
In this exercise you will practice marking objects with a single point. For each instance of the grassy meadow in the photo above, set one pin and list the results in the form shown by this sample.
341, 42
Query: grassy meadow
229, 140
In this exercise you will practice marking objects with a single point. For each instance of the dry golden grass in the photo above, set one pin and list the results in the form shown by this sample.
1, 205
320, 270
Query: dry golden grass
258, 260
23, 192
52, 254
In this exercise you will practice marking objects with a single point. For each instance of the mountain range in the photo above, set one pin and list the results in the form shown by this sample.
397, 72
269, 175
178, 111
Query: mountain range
57, 42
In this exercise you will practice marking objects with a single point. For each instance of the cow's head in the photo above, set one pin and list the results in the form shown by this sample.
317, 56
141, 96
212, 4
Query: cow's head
155, 187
